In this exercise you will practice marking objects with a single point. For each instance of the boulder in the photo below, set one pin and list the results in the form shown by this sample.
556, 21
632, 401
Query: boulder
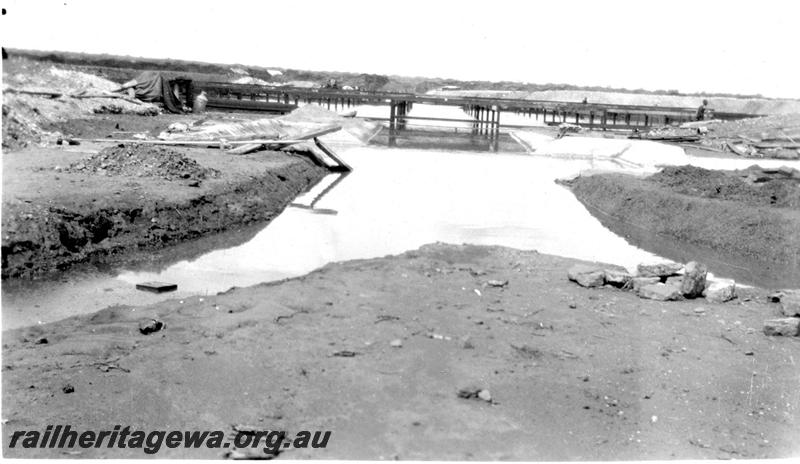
587, 276
787, 326
694, 279
664, 269
639, 282
660, 292
790, 303
720, 291
617, 277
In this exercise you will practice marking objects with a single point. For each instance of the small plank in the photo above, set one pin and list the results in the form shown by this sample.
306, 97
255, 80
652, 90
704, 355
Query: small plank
157, 287
245, 149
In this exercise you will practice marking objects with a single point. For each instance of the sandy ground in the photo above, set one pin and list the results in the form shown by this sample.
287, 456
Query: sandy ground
573, 373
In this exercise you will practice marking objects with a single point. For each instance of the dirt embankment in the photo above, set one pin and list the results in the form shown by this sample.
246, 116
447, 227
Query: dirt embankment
30, 119
377, 350
751, 213
63, 207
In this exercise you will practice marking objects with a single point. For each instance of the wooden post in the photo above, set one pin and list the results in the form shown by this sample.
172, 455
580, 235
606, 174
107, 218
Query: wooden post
646, 120
392, 123
604, 119
496, 137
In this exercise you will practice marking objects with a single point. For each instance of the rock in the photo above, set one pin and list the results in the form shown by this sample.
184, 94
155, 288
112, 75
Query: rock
639, 282
660, 292
616, 277
497, 283
469, 392
787, 326
468, 344
472, 392
68, 388
775, 297
42, 341
586, 276
397, 343
694, 279
177, 127
790, 303
675, 281
664, 269
148, 326
721, 290
699, 310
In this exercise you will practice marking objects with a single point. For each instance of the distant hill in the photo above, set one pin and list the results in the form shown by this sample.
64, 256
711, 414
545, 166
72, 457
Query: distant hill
122, 68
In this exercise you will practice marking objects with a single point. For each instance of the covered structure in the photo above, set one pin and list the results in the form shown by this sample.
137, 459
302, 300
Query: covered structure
154, 86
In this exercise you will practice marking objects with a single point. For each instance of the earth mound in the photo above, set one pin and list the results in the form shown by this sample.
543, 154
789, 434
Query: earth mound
143, 161
753, 186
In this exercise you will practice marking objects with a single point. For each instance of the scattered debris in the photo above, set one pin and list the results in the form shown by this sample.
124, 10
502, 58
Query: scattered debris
694, 279
587, 276
664, 269
157, 287
786, 326
148, 326
660, 291
528, 351
639, 282
345, 354
567, 128
475, 393
721, 290
177, 127
437, 336
468, 344
617, 278
790, 303
107, 366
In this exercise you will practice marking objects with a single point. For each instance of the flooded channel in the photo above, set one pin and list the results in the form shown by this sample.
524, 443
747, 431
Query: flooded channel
396, 199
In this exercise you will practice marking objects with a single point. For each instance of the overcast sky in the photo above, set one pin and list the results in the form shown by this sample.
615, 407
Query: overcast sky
733, 46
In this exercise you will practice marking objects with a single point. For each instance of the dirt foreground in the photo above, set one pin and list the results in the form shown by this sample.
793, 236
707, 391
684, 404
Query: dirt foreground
377, 350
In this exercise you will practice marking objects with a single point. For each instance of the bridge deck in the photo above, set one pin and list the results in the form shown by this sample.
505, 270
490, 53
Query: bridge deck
354, 97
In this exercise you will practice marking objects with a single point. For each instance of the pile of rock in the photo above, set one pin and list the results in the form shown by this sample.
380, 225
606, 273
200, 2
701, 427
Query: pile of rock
789, 325
665, 281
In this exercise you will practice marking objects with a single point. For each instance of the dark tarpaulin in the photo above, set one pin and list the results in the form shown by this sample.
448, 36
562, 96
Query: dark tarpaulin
153, 86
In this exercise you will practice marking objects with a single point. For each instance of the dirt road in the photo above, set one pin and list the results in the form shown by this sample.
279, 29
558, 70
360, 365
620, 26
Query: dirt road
573, 373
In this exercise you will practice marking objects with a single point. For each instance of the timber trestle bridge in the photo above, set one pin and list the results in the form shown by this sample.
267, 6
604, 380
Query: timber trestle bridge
483, 113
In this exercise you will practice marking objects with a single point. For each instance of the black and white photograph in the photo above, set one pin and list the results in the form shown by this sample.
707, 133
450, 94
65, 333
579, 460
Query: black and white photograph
416, 230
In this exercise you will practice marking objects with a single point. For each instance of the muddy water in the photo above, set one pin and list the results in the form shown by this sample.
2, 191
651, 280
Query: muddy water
395, 200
